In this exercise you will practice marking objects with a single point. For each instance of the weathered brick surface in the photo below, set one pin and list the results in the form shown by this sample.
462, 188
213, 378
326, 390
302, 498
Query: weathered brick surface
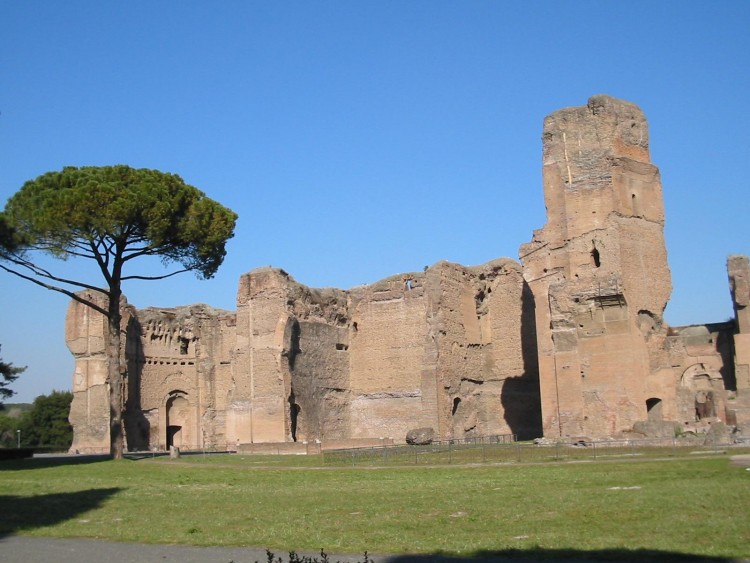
571, 343
598, 270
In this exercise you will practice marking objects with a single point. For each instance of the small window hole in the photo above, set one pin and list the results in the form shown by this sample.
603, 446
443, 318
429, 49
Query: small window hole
595, 256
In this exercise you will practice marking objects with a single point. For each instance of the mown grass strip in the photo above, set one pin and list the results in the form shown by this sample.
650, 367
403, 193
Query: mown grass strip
696, 506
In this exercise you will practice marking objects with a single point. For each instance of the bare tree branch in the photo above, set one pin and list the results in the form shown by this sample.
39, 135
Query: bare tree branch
143, 252
102, 262
40, 272
64, 291
156, 277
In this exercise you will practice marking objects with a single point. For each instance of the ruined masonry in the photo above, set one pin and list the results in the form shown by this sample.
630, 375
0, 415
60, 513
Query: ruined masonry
569, 343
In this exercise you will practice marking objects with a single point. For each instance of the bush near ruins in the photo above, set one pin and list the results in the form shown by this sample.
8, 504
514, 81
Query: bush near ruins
44, 425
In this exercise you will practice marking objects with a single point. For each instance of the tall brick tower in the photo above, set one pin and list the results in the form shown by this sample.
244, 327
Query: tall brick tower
597, 269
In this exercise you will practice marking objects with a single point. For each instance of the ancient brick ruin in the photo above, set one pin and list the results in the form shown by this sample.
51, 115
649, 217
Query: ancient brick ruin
571, 342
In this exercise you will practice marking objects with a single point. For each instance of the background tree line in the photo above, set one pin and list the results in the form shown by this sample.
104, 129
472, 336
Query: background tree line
44, 424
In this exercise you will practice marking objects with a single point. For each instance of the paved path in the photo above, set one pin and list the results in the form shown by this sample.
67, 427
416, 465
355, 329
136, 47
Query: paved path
741, 460
23, 549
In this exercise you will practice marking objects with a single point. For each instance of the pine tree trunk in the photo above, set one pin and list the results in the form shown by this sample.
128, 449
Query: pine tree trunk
116, 438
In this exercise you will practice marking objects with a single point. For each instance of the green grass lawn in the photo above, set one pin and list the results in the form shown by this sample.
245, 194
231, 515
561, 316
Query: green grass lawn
693, 506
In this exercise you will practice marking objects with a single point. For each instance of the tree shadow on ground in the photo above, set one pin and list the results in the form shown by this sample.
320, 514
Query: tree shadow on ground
23, 513
42, 462
566, 555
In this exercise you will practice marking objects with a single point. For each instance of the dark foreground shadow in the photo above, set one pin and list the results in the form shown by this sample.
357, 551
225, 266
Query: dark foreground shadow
507, 556
566, 555
50, 460
22, 513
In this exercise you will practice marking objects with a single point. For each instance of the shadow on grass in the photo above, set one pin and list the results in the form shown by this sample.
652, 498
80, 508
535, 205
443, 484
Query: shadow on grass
568, 555
23, 513
43, 461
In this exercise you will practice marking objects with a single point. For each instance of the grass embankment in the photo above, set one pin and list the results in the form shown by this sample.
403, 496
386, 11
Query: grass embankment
699, 506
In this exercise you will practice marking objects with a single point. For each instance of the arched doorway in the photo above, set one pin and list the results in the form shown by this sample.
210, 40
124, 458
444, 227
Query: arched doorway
653, 407
179, 420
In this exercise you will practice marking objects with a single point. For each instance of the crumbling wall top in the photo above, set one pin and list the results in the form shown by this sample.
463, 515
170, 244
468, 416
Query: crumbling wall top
738, 268
591, 135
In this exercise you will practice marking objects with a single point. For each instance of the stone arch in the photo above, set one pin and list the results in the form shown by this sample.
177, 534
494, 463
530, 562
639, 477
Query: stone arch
700, 376
654, 409
180, 420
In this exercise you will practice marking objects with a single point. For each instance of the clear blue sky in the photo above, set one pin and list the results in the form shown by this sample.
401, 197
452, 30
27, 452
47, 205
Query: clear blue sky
357, 140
